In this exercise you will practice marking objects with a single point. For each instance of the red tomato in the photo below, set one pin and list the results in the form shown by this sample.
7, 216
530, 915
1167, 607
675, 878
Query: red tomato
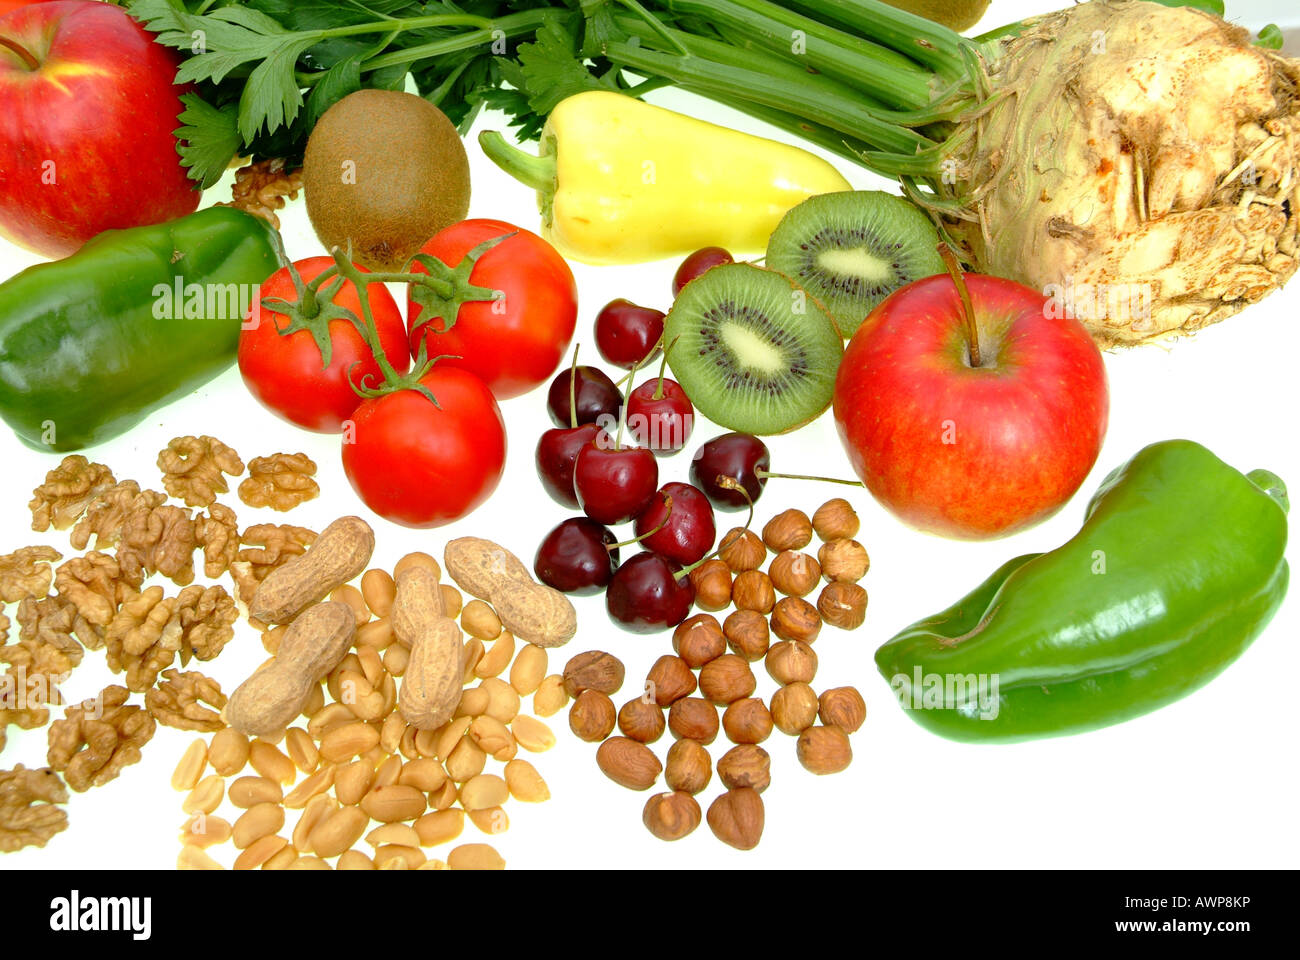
285, 372
515, 341
421, 465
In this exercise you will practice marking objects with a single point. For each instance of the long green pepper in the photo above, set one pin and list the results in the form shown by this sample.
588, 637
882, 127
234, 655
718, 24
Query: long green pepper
1178, 567
90, 344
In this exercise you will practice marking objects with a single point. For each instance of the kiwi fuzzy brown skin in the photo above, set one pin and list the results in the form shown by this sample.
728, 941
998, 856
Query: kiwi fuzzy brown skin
384, 171
955, 14
852, 249
766, 311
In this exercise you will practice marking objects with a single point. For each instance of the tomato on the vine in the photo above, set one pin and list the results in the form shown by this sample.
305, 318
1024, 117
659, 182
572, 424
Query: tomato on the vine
285, 371
515, 337
423, 465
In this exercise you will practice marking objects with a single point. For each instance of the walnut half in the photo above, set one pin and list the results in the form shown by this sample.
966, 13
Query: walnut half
280, 481
27, 572
178, 701
29, 815
193, 469
67, 491
95, 740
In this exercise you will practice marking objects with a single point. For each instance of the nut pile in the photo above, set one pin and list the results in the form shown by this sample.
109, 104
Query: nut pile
329, 735
710, 673
100, 601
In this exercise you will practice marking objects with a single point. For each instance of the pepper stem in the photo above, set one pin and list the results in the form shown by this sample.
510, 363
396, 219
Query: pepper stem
535, 171
972, 328
21, 52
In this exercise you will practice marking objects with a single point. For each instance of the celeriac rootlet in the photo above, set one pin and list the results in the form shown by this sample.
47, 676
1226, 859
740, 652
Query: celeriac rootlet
1120, 149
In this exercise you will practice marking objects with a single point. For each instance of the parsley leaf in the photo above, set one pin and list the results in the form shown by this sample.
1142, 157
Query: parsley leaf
209, 139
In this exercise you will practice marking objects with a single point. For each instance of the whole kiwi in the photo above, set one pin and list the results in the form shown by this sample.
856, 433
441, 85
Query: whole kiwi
385, 171
955, 14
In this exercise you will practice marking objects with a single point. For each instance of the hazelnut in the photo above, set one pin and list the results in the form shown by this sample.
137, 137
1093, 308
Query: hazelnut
796, 619
794, 574
843, 605
689, 768
628, 763
790, 661
736, 818
753, 591
746, 765
844, 560
747, 634
824, 750
712, 582
671, 816
593, 670
699, 639
794, 708
693, 718
726, 679
747, 721
741, 550
641, 719
835, 520
669, 680
788, 530
592, 716
842, 707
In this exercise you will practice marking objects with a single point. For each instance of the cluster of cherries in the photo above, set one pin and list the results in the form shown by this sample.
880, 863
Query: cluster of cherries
602, 458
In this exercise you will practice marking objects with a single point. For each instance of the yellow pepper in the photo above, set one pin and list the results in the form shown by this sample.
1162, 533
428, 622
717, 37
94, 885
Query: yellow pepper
621, 181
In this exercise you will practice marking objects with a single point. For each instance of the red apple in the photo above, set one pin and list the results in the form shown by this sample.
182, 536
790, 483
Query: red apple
964, 451
87, 110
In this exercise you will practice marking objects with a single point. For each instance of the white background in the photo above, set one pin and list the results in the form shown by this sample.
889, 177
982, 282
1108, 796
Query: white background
1207, 782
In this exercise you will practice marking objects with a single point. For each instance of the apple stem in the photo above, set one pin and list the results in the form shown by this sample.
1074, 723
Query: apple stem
21, 52
972, 329
767, 475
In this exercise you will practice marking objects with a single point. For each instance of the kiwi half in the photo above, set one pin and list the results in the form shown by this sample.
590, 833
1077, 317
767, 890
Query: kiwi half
752, 351
852, 249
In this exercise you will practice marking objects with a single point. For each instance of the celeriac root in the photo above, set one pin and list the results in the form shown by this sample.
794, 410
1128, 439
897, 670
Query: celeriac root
1144, 167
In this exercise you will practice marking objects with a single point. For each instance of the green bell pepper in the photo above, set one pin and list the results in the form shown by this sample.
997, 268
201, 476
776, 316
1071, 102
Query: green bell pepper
1178, 567
90, 344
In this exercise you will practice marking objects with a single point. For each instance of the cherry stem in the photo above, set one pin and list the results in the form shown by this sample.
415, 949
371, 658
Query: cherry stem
668, 503
627, 395
21, 52
573, 390
727, 483
972, 328
623, 379
659, 390
765, 475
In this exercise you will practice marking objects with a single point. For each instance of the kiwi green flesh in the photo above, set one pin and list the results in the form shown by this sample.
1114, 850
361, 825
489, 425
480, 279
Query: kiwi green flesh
752, 351
850, 250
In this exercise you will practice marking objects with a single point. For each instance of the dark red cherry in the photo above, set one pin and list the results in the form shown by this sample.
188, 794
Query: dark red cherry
596, 394
614, 484
576, 557
556, 452
741, 457
660, 423
628, 335
686, 532
699, 262
646, 594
